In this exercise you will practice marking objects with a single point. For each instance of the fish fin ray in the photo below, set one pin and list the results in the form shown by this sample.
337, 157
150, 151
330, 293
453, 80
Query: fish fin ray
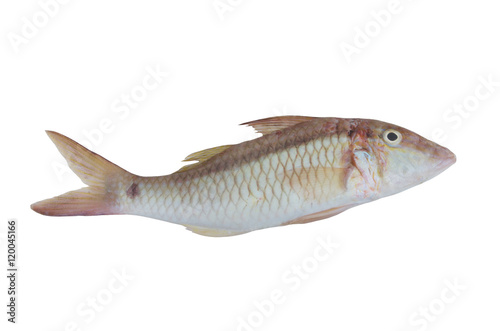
206, 154
271, 124
85, 202
309, 182
202, 156
305, 183
93, 170
318, 215
210, 232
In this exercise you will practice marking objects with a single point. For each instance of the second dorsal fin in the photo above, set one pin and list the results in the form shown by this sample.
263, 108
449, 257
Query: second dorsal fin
205, 154
202, 156
271, 124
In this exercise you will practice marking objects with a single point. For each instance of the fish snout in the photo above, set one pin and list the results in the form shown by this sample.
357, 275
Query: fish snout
445, 157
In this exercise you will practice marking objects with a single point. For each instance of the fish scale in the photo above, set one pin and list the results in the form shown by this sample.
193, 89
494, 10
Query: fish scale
251, 193
301, 170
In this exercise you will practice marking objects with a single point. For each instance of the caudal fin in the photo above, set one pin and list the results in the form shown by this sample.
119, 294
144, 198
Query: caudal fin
95, 171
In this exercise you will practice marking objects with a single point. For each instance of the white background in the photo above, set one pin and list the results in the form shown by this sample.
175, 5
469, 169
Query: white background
259, 59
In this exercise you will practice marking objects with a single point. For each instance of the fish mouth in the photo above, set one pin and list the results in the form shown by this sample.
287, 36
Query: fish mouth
447, 159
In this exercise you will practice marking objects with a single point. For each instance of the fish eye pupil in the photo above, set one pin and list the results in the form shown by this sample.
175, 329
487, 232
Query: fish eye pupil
391, 136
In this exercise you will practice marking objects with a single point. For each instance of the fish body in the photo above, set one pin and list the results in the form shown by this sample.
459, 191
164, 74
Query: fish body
300, 170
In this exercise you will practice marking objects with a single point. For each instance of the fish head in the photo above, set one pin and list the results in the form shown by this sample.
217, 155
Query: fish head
404, 159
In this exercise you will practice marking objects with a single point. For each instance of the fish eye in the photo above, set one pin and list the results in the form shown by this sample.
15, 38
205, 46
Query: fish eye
392, 137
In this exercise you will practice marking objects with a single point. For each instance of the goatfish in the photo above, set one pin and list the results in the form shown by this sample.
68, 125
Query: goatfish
302, 169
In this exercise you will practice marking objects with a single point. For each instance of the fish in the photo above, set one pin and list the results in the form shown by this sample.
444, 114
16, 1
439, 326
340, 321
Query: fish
301, 169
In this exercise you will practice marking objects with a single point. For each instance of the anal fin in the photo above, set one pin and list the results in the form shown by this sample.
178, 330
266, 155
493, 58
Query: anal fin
209, 232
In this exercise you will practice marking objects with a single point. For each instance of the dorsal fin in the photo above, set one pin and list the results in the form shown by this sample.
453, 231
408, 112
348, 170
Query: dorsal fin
271, 124
205, 154
202, 156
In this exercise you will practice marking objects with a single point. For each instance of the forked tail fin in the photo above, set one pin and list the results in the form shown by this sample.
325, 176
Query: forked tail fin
95, 171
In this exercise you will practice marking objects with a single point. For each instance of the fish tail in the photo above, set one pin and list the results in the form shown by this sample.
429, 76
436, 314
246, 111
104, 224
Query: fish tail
95, 171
